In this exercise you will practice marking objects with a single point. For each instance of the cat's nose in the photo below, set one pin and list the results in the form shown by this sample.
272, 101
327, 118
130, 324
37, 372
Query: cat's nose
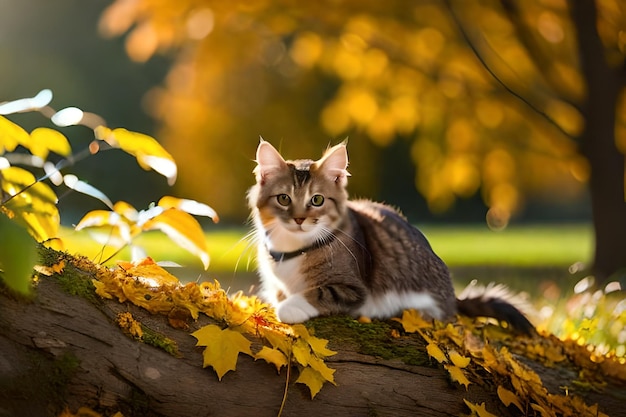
299, 220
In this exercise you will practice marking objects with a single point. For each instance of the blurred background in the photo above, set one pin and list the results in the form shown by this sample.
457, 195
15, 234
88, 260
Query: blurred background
430, 129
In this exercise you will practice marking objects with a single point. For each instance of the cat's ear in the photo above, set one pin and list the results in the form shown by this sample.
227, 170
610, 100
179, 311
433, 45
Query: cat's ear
268, 160
334, 164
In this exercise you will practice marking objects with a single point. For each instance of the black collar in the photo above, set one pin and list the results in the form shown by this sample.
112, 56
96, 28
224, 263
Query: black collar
285, 256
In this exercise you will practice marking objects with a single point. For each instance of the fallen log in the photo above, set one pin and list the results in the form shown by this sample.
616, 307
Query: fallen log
63, 349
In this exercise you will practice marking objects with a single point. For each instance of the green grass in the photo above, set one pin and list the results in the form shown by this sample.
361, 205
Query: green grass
522, 245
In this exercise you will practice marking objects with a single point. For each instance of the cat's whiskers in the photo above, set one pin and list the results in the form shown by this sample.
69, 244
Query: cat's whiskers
330, 235
251, 239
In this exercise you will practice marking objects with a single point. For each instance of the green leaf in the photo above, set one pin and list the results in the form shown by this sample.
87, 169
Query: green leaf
18, 255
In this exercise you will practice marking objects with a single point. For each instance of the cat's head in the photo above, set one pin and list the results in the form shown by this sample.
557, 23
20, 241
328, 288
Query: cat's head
298, 202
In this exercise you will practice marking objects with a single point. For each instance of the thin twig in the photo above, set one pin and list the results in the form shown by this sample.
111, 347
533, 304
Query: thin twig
282, 404
478, 55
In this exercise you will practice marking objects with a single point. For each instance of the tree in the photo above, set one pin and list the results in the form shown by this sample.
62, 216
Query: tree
509, 99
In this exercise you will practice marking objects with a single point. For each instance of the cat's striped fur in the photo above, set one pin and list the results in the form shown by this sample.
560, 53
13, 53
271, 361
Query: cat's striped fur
320, 253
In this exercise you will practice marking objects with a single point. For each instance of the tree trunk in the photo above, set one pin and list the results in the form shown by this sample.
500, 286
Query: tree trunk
61, 350
607, 188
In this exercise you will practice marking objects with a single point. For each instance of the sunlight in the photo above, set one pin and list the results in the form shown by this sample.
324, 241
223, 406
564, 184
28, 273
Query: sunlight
42, 99
200, 23
68, 116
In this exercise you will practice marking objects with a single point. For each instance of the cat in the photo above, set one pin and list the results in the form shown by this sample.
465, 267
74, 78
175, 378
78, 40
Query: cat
320, 253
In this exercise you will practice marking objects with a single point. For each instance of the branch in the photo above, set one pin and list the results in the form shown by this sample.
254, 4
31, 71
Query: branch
515, 94
534, 50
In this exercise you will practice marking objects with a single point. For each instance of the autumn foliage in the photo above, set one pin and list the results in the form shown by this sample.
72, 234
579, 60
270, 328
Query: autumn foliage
381, 71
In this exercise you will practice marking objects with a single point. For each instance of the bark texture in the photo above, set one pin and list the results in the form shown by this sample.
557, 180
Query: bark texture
604, 84
63, 350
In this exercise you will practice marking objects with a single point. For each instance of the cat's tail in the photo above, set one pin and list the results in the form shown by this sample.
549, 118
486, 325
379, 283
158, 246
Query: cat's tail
495, 301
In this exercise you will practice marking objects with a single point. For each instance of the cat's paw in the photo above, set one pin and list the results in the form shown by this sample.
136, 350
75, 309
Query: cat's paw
295, 309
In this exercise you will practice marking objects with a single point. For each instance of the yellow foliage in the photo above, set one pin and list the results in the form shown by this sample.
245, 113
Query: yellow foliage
472, 352
272, 355
183, 229
312, 379
383, 77
507, 397
171, 216
149, 153
32, 203
222, 347
11, 135
43, 140
478, 410
457, 375
129, 325
149, 286
458, 359
435, 352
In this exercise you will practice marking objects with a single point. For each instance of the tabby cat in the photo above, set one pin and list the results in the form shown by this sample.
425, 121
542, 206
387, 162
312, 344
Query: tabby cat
320, 253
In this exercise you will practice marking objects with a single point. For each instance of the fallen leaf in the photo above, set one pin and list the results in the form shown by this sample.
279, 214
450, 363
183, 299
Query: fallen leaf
412, 321
58, 267
273, 356
319, 346
129, 325
435, 352
508, 397
321, 367
222, 348
457, 375
301, 351
478, 410
312, 379
458, 359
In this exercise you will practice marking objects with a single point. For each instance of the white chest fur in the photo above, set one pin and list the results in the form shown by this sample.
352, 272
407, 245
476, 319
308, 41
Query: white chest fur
283, 276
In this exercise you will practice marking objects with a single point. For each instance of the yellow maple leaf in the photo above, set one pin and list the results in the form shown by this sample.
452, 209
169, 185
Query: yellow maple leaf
312, 379
478, 410
272, 355
319, 346
457, 375
301, 351
321, 367
279, 340
508, 397
222, 348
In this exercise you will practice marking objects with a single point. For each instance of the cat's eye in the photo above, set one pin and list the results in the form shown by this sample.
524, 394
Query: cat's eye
317, 200
283, 199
